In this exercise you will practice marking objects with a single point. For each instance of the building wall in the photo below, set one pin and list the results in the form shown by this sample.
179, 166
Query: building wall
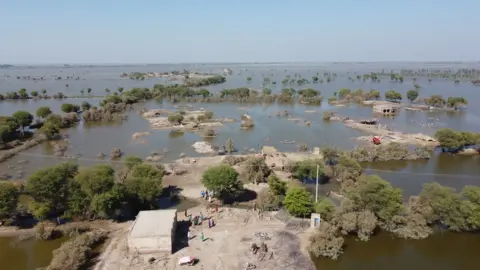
150, 244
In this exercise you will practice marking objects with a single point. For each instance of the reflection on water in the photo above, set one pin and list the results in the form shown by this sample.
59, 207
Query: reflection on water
443, 251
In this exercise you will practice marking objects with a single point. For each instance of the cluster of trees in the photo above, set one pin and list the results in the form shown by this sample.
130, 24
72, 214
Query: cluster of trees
370, 202
373, 203
23, 94
452, 140
95, 192
12, 127
451, 102
387, 152
358, 95
208, 80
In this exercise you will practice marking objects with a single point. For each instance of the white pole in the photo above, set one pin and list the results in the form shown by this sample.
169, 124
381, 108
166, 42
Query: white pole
316, 186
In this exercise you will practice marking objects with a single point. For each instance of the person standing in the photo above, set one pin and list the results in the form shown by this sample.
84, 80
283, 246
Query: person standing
202, 237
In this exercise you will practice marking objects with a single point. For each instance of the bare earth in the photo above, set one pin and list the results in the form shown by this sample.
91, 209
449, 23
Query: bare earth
226, 245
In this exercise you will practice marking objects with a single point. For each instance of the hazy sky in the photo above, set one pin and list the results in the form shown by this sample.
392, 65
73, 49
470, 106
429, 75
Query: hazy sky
167, 31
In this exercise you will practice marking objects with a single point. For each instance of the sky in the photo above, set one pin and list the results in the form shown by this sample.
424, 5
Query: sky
187, 31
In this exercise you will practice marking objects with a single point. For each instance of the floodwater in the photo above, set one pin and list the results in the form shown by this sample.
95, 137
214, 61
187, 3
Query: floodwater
26, 255
88, 140
441, 251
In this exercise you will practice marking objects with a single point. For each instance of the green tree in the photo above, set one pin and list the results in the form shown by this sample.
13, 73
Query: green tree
50, 130
412, 95
204, 93
454, 102
34, 94
8, 198
96, 180
308, 169
325, 208
446, 205
23, 118
348, 169
373, 94
49, 187
393, 95
120, 89
145, 184
86, 106
277, 186
43, 112
147, 172
89, 90
68, 108
44, 91
131, 161
105, 204
435, 101
344, 93
175, 119
377, 195
223, 180
449, 138
298, 202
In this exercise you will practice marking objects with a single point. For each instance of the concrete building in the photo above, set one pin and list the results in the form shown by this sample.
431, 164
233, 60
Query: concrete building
153, 231
386, 109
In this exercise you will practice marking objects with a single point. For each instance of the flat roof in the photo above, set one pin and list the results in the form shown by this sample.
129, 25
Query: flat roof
153, 223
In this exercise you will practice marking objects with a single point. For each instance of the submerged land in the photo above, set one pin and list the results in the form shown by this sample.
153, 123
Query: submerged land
167, 134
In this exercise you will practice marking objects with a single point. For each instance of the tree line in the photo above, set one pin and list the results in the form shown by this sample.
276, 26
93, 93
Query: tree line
100, 191
369, 203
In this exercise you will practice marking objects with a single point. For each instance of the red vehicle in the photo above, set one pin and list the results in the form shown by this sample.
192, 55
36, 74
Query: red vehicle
376, 140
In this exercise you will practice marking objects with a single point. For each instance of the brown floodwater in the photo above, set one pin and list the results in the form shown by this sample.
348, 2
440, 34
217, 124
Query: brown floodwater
442, 251
26, 255
382, 251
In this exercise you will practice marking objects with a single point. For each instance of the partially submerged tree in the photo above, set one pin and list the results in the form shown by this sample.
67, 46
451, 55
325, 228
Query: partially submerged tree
43, 112
325, 242
23, 118
412, 95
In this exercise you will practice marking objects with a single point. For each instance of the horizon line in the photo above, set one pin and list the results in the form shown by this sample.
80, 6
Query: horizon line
237, 62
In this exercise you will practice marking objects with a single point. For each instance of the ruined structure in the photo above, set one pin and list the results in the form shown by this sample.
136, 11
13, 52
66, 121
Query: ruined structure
386, 109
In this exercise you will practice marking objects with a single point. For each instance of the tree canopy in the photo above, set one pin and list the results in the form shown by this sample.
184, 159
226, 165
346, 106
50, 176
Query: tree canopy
453, 140
412, 95
223, 180
393, 95
8, 198
298, 202
43, 112
23, 118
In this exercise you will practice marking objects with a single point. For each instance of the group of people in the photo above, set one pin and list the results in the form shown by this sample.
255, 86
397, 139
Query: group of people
198, 219
207, 195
